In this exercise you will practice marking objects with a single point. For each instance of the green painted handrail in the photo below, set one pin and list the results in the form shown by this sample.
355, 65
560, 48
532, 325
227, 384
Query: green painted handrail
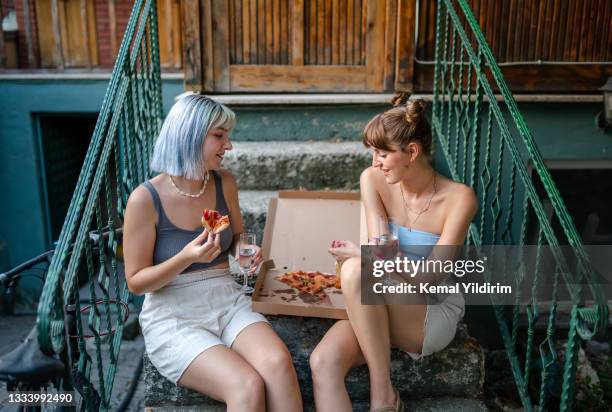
488, 145
88, 249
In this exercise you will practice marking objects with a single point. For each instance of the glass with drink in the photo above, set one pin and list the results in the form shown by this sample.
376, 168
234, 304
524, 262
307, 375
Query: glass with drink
387, 241
246, 253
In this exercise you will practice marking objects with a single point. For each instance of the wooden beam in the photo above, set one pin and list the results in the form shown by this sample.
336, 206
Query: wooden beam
85, 29
2, 51
297, 32
112, 28
92, 33
281, 78
28, 34
58, 56
192, 57
246, 40
374, 47
404, 68
208, 43
343, 18
390, 44
220, 28
559, 78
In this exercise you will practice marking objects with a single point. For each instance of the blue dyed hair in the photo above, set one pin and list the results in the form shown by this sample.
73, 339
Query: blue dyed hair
178, 148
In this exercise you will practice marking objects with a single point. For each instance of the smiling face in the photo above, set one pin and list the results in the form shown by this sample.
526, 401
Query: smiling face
394, 164
216, 143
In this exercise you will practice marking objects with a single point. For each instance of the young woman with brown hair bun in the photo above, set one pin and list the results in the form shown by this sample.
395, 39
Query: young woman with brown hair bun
427, 209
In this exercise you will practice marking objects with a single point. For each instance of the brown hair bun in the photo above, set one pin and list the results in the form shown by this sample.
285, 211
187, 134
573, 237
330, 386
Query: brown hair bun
415, 110
400, 98
400, 125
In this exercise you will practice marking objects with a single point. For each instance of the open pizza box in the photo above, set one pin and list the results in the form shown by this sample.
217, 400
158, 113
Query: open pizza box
299, 229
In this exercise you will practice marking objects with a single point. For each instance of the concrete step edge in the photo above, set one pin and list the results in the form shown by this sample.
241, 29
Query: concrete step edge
441, 404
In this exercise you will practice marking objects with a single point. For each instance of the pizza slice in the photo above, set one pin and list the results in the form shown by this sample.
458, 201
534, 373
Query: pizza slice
214, 222
312, 283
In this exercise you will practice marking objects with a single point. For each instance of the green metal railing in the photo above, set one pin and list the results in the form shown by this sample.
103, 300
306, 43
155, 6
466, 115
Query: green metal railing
85, 329
485, 142
488, 145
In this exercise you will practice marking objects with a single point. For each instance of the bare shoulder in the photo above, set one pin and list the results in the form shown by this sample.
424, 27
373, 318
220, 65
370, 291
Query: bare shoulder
140, 197
140, 204
460, 193
371, 177
230, 187
227, 177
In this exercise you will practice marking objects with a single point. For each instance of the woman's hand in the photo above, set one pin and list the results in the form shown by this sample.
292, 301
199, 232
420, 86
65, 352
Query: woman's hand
203, 249
344, 249
256, 260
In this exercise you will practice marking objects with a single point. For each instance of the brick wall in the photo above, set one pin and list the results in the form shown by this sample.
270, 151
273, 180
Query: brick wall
123, 8
105, 52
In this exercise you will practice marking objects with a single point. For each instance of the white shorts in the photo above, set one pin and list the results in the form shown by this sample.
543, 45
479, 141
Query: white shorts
440, 324
194, 312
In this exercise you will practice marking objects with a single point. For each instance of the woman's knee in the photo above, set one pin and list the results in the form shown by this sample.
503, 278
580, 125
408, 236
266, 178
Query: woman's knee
325, 363
277, 365
247, 389
350, 276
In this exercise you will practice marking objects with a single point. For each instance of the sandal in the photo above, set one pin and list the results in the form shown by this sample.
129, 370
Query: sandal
398, 407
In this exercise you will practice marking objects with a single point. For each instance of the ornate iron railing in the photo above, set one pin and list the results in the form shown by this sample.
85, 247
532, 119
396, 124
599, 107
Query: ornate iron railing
488, 145
88, 250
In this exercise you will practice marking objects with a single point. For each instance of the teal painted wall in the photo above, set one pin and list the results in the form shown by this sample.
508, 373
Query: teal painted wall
23, 223
563, 131
303, 122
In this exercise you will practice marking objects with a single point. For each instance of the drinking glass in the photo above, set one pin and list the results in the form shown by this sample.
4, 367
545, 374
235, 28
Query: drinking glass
388, 240
246, 251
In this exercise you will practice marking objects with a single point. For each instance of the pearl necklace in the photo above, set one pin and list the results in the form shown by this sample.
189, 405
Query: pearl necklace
189, 194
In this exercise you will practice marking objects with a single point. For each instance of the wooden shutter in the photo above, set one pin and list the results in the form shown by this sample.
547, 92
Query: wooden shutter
291, 46
67, 33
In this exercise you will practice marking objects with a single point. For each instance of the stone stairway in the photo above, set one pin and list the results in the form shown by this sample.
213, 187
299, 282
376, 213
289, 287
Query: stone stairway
264, 168
294, 165
451, 380
453, 376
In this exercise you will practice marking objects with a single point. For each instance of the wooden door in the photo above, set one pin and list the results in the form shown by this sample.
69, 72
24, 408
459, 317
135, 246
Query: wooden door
295, 46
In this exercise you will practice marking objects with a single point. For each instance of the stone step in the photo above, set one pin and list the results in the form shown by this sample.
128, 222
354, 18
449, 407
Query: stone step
446, 404
254, 208
455, 372
417, 405
293, 165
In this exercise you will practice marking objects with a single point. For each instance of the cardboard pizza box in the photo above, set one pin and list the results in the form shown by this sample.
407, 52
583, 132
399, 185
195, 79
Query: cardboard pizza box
300, 226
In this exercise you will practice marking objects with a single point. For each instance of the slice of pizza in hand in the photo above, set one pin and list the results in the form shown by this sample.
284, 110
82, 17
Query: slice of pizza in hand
214, 222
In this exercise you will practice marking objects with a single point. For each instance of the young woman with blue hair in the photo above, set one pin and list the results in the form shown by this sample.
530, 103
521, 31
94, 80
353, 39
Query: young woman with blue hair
199, 329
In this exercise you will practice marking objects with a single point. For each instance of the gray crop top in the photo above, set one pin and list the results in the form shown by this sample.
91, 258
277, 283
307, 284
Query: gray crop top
170, 239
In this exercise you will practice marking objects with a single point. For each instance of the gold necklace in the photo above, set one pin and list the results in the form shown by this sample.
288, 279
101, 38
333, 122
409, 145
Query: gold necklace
425, 209
189, 194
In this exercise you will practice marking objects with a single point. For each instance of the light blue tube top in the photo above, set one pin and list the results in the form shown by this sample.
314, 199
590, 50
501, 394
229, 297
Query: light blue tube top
418, 244
415, 244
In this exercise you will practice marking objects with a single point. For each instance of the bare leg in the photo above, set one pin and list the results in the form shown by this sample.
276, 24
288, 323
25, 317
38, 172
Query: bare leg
268, 355
407, 327
371, 326
225, 376
330, 361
